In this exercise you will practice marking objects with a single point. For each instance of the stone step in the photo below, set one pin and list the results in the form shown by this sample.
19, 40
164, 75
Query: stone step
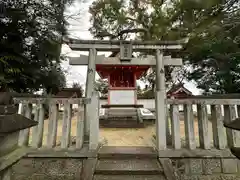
128, 177
128, 167
121, 123
122, 106
125, 118
122, 115
126, 152
122, 111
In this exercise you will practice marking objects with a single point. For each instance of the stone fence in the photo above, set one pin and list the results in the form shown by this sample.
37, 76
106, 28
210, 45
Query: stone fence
211, 132
208, 160
221, 110
46, 133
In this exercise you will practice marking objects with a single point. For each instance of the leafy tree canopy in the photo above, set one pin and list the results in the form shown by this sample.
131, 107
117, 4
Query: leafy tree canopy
79, 86
214, 56
211, 27
31, 36
101, 85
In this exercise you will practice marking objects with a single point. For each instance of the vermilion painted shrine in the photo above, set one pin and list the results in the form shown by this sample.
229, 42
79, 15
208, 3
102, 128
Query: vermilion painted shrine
122, 81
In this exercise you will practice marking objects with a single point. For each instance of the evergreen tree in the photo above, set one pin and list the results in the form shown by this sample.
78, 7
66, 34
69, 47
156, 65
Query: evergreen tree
31, 37
211, 27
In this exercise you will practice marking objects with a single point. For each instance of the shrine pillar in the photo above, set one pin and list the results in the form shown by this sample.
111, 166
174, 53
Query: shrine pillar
160, 102
91, 71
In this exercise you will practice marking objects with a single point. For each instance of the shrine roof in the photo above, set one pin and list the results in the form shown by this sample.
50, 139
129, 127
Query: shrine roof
178, 88
105, 70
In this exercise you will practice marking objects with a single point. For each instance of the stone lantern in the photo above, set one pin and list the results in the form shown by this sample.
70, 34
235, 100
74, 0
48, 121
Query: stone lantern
10, 125
234, 125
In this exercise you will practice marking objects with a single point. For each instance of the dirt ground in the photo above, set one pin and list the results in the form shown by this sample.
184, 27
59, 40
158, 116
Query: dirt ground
123, 136
140, 136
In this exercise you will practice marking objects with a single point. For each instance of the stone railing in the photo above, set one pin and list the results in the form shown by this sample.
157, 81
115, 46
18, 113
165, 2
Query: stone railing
61, 122
203, 129
65, 125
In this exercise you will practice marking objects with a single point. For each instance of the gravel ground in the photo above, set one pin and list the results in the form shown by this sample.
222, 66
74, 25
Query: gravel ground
123, 136
127, 136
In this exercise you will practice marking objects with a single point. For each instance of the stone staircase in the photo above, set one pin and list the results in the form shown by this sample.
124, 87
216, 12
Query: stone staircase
121, 118
129, 163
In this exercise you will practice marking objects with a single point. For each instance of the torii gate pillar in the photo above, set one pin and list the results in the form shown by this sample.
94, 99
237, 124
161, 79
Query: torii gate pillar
160, 102
91, 71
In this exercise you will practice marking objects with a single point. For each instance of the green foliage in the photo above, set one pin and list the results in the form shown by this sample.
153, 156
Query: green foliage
146, 93
215, 56
212, 27
101, 85
31, 37
77, 85
57, 82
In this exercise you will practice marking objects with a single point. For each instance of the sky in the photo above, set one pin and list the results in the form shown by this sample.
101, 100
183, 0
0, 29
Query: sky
78, 28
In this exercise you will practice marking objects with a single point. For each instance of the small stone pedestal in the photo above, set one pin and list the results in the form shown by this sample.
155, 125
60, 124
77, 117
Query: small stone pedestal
10, 125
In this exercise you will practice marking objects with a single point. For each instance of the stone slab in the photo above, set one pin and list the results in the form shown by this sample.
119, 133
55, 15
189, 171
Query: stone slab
130, 166
54, 168
196, 153
209, 177
229, 166
127, 152
169, 171
211, 166
129, 177
89, 166
122, 106
230, 177
43, 177
194, 166
60, 153
12, 157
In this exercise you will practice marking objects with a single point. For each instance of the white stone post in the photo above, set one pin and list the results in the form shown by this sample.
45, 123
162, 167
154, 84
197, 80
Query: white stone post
94, 121
160, 103
66, 125
89, 89
175, 126
39, 140
204, 139
80, 127
24, 135
219, 136
53, 124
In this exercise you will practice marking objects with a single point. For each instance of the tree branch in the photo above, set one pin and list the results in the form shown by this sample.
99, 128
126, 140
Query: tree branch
121, 33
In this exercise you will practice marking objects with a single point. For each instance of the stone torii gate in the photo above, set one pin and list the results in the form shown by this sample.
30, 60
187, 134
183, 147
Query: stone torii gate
126, 48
